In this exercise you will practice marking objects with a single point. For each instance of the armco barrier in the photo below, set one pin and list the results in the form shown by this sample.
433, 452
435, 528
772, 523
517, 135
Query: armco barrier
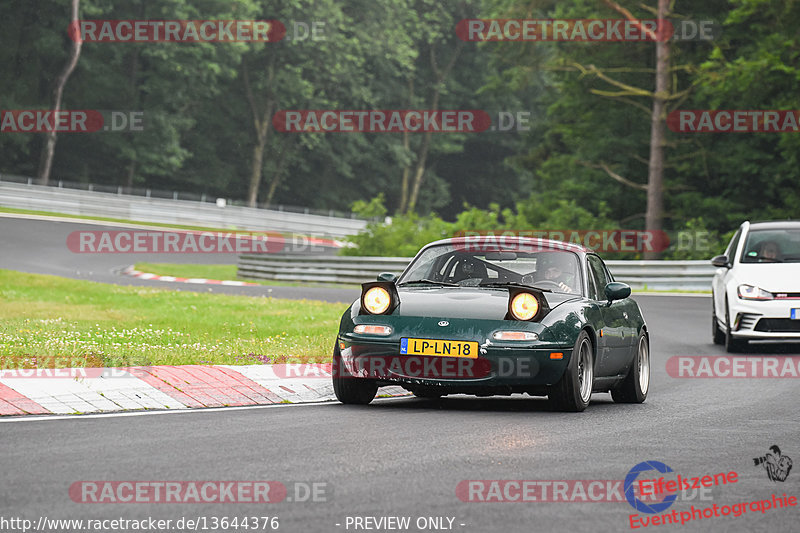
184, 212
651, 275
318, 268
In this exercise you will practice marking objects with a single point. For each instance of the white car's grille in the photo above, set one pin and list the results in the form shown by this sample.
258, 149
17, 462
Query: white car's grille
787, 295
778, 325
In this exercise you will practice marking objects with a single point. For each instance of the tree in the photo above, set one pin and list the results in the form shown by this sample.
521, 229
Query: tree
75, 52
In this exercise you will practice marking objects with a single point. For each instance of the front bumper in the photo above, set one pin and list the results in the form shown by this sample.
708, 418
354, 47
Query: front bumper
498, 367
767, 319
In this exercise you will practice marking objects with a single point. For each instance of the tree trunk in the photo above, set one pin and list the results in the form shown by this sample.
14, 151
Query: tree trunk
422, 154
277, 175
257, 160
261, 123
405, 183
422, 158
49, 150
134, 98
655, 177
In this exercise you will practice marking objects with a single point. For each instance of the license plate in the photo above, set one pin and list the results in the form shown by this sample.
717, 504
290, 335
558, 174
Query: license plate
795, 314
439, 348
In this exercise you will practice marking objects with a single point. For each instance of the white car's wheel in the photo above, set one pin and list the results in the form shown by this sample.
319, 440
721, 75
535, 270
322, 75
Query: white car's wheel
732, 344
716, 333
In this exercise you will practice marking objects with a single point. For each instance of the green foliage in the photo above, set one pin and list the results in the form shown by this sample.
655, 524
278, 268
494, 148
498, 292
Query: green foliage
199, 133
375, 208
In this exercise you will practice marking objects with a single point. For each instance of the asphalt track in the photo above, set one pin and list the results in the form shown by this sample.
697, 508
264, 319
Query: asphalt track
405, 457
40, 247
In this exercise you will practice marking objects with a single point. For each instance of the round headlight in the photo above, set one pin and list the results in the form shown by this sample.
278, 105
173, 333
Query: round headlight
377, 300
524, 306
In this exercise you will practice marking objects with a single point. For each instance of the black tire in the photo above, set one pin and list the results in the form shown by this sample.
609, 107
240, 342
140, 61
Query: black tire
574, 391
716, 334
637, 383
349, 389
732, 344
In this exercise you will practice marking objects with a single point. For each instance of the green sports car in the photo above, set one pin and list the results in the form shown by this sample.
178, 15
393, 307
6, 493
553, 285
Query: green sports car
492, 315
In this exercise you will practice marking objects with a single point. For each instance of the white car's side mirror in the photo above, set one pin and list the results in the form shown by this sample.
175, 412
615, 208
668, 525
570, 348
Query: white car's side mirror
721, 261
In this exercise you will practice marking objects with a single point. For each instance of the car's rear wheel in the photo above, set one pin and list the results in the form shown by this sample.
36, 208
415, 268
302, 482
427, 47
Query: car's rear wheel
716, 333
732, 344
349, 389
637, 383
574, 390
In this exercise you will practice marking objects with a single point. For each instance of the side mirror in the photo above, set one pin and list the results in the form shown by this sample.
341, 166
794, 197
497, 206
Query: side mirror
617, 291
721, 261
387, 276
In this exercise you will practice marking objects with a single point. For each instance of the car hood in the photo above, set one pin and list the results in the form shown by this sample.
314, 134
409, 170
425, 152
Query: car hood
773, 277
463, 302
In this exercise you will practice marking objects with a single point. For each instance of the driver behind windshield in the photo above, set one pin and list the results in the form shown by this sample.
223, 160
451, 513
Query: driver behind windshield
558, 268
769, 250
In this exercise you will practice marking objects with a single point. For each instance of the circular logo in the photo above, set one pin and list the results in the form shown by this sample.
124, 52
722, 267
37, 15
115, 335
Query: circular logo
444, 323
630, 482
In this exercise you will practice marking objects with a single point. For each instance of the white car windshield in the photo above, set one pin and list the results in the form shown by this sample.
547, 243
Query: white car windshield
773, 245
552, 269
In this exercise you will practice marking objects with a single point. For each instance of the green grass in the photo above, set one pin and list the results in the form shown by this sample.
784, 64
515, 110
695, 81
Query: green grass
645, 290
50, 321
223, 272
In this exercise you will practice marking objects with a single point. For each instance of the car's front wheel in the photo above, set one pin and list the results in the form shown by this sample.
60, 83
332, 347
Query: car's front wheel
732, 344
349, 389
716, 334
637, 383
574, 390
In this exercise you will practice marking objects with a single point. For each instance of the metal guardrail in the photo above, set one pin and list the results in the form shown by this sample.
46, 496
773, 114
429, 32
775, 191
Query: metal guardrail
330, 269
170, 211
650, 275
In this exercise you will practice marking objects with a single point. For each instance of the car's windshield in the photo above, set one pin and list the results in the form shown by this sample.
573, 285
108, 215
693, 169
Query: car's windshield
547, 268
772, 246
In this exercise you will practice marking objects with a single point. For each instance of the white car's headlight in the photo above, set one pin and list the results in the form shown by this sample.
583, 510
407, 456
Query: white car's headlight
749, 292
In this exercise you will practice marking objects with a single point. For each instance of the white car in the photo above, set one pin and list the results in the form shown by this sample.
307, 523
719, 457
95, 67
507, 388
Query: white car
756, 289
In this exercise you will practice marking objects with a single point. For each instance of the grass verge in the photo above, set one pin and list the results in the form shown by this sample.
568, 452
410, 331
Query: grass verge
65, 322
